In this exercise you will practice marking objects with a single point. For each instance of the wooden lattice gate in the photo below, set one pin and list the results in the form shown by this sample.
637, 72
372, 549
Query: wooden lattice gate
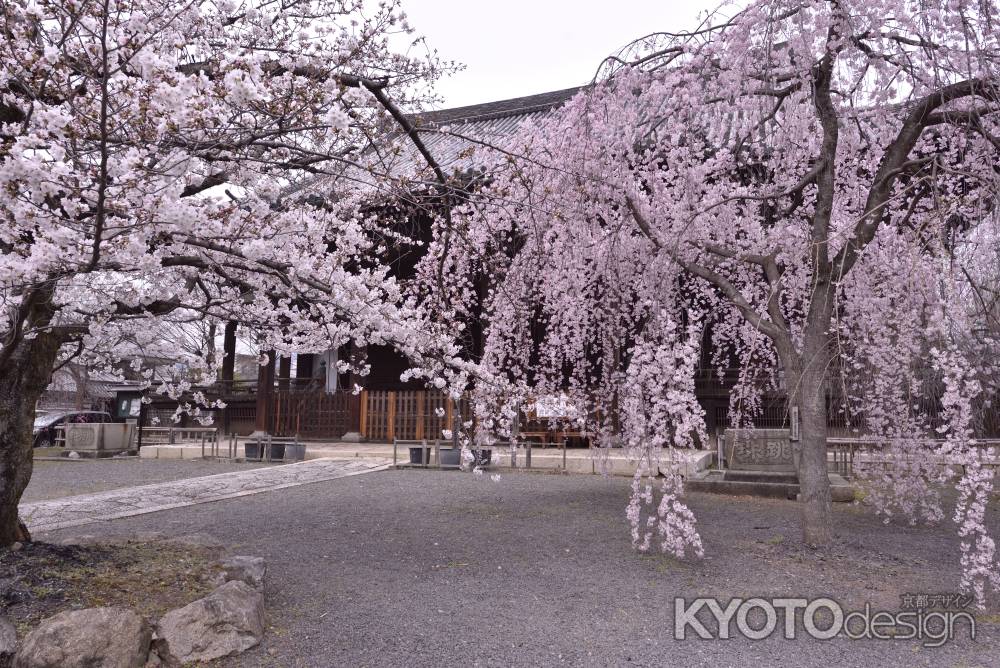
316, 414
408, 414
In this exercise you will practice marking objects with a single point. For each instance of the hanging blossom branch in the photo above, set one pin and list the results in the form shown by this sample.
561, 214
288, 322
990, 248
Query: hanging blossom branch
767, 170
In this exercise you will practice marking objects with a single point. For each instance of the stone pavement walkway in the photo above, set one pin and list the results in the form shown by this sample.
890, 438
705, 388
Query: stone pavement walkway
86, 508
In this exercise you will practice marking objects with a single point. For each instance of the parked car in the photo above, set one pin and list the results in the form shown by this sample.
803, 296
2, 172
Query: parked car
45, 432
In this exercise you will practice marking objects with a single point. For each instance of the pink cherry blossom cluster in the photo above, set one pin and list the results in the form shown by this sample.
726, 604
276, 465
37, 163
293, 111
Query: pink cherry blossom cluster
168, 163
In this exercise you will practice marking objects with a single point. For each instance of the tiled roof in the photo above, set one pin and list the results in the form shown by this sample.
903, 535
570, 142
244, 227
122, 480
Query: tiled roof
460, 138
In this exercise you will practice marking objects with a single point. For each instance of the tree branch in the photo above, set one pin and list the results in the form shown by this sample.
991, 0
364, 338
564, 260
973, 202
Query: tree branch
723, 284
896, 155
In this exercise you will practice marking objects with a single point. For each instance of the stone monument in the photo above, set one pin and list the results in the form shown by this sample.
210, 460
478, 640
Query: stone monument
761, 462
761, 450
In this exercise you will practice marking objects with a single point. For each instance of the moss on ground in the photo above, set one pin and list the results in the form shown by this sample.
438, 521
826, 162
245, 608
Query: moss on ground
49, 452
43, 579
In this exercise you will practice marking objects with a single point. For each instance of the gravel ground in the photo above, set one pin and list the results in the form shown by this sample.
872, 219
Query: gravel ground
422, 568
56, 479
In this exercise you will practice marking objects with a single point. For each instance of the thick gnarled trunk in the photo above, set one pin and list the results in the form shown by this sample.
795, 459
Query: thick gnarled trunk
23, 379
25, 371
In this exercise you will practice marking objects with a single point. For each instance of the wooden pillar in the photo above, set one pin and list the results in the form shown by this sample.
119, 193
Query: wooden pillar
363, 414
356, 403
229, 359
421, 407
305, 365
449, 415
228, 369
391, 417
141, 423
284, 372
265, 395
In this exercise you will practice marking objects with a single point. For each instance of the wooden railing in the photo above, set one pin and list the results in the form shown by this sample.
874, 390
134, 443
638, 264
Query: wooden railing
845, 454
172, 435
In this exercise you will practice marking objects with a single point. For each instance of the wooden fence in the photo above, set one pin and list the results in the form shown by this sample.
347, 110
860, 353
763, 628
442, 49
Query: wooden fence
385, 415
408, 414
380, 415
315, 414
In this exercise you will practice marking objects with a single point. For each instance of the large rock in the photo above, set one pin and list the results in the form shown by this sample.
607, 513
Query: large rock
250, 570
228, 621
8, 642
106, 637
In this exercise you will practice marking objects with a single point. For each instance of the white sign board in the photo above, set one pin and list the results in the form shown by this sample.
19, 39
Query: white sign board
553, 407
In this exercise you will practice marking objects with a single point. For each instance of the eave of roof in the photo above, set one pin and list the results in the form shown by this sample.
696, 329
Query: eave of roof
487, 111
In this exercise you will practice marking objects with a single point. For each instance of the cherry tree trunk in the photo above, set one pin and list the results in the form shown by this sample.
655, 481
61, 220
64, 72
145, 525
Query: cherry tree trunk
805, 375
23, 378
814, 479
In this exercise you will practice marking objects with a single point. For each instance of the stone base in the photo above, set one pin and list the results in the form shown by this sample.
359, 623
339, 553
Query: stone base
351, 437
161, 451
767, 484
97, 454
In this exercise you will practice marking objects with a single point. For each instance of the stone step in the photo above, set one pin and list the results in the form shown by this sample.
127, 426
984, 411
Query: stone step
761, 476
716, 482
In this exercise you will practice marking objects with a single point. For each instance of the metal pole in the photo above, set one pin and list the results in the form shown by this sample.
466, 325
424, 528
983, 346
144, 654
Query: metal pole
515, 430
456, 421
142, 417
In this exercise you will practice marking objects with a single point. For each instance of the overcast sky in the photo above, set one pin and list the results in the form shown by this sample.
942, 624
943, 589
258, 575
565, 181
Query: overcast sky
513, 48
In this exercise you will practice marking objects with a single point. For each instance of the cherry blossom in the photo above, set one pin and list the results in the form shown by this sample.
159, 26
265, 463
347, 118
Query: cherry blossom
793, 189
168, 161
